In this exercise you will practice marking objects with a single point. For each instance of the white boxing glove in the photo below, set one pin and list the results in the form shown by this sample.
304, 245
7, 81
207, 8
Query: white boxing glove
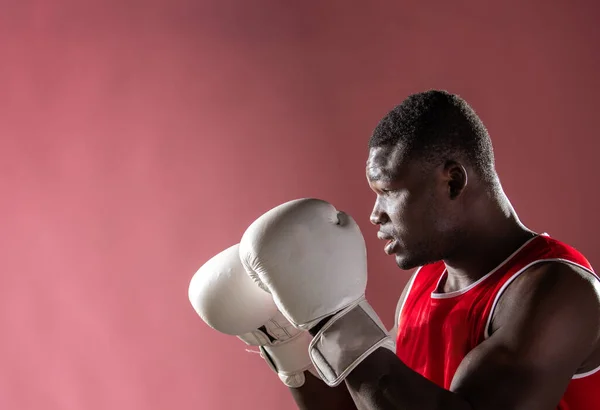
312, 258
229, 301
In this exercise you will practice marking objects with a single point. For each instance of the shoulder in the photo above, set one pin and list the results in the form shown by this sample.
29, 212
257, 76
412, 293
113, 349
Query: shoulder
559, 280
555, 290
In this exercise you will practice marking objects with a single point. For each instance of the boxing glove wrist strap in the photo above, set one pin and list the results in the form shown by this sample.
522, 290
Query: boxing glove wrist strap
289, 358
346, 340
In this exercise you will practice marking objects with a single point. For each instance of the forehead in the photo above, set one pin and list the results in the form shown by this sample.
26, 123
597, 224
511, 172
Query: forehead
385, 163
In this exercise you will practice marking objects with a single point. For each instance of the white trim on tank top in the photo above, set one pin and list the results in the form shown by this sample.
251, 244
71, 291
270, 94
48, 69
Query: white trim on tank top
513, 277
448, 295
410, 285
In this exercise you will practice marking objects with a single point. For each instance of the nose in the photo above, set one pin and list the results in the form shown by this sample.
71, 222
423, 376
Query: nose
378, 215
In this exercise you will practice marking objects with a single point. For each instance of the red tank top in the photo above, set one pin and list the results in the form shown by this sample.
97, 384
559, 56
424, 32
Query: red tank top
437, 330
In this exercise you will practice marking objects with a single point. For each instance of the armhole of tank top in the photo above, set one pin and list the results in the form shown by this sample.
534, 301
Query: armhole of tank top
402, 302
516, 275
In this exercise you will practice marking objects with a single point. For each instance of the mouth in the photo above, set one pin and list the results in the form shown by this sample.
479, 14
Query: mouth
391, 244
390, 247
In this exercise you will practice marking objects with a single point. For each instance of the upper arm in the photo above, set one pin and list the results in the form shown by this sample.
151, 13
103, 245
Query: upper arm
552, 323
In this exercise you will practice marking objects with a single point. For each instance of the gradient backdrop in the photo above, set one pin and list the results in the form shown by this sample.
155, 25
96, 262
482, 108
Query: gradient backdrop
139, 138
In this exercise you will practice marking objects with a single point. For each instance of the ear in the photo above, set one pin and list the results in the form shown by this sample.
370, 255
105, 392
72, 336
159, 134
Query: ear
456, 178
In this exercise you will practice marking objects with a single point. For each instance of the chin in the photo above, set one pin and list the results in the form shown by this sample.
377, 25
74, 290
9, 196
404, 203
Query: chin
405, 263
409, 262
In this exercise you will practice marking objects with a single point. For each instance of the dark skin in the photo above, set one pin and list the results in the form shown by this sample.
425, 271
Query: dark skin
545, 329
316, 395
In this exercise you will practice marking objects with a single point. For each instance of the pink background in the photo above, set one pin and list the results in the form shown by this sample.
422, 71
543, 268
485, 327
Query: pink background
138, 139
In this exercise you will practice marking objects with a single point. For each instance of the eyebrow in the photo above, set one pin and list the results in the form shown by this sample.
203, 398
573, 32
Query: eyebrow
380, 175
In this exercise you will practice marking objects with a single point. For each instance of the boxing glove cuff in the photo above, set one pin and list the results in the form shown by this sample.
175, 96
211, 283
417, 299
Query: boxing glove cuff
346, 340
289, 358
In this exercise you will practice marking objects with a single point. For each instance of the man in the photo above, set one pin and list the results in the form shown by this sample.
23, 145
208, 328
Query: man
498, 317
495, 317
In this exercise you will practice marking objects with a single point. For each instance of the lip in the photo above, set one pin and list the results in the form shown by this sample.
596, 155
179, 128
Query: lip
391, 247
392, 244
384, 236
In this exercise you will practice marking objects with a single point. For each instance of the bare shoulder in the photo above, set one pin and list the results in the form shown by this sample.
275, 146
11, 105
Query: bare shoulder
556, 283
558, 294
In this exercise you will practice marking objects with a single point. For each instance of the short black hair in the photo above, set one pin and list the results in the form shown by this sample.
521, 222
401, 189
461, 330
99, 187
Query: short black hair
436, 126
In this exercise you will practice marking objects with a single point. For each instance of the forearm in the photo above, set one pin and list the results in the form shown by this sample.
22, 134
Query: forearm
316, 395
383, 382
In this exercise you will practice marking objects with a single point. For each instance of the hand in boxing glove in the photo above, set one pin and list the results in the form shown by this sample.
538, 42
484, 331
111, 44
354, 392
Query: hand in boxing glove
225, 297
312, 259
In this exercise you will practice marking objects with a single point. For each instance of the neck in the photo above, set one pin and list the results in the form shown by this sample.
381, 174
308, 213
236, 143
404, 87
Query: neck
496, 235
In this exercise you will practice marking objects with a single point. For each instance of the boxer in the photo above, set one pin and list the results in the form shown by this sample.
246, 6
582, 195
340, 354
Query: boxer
496, 316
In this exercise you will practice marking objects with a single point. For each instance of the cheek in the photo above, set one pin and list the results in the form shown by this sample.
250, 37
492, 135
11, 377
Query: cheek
445, 223
419, 218
443, 218
405, 215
